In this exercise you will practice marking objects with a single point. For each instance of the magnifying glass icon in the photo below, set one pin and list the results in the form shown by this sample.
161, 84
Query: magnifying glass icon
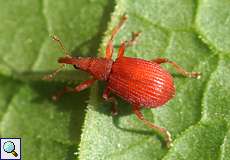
9, 147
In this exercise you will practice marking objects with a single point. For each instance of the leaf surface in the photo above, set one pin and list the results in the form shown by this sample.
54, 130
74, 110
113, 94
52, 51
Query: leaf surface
49, 130
189, 33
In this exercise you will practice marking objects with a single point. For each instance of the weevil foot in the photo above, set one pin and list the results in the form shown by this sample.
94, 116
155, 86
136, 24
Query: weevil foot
168, 139
114, 111
48, 77
54, 98
59, 94
196, 75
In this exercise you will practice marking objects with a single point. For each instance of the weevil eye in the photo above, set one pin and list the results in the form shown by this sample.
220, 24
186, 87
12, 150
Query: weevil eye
76, 67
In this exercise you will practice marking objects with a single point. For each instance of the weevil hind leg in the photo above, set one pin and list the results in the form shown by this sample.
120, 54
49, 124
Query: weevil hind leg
162, 131
76, 89
178, 68
113, 100
109, 47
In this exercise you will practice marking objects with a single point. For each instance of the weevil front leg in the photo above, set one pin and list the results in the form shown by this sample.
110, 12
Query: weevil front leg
78, 88
110, 99
178, 68
109, 47
163, 131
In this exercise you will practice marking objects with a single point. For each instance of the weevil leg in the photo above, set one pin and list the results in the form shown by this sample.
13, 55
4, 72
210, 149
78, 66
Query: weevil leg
109, 47
109, 50
178, 68
121, 50
126, 44
112, 100
133, 40
78, 88
163, 131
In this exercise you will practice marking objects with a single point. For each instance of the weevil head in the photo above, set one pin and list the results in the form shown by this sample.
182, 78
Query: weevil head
99, 68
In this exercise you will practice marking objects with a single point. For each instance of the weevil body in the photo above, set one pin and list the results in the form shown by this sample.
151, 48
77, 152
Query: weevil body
137, 81
140, 82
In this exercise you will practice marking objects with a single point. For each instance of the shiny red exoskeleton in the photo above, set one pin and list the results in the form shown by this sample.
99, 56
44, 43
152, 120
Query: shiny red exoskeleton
140, 82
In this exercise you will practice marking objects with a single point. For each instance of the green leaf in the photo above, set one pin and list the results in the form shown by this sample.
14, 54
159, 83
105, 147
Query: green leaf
213, 23
49, 130
189, 33
192, 33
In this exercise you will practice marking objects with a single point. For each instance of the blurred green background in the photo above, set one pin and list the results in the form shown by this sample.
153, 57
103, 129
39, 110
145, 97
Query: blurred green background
194, 33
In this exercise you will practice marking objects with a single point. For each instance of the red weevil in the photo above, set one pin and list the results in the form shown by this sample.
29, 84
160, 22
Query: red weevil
140, 82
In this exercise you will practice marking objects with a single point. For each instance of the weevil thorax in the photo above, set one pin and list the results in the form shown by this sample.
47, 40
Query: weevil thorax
99, 68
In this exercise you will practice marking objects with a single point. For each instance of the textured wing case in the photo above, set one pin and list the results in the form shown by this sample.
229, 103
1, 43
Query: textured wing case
141, 82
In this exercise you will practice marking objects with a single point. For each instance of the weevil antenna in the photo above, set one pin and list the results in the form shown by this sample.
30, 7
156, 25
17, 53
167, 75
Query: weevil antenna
52, 75
59, 42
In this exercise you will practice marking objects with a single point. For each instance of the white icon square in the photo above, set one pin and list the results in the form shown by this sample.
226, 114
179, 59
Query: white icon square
10, 149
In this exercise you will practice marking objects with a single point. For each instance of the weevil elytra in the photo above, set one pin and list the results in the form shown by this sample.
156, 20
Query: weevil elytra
140, 82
